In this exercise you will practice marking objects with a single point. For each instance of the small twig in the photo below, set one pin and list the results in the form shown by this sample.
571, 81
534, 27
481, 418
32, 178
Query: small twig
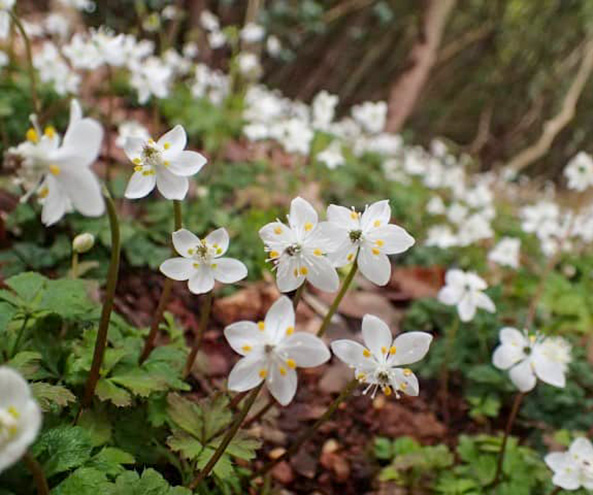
38, 475
507, 432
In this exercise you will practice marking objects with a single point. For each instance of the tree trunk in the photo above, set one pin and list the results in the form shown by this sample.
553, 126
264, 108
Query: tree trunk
406, 90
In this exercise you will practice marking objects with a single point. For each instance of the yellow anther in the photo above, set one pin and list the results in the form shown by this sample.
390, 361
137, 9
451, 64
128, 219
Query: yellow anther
278, 230
353, 215
191, 251
263, 373
282, 371
407, 371
167, 146
261, 325
151, 141
148, 172
403, 385
380, 242
318, 252
196, 265
137, 161
246, 348
166, 163
32, 135
392, 349
387, 390
214, 266
54, 169
377, 223
274, 254
291, 363
308, 226
304, 270
532, 338
219, 251
138, 168
295, 272
366, 353
13, 412
50, 131
289, 330
43, 192
361, 377
383, 349
350, 257
375, 251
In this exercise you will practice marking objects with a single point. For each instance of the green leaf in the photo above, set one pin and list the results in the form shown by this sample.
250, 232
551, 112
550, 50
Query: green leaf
150, 483
383, 449
26, 363
7, 312
84, 481
109, 391
242, 446
223, 467
96, 423
140, 383
189, 447
63, 448
67, 298
186, 415
48, 395
110, 461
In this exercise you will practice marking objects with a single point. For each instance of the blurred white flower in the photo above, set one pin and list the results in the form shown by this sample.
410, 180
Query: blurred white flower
573, 469
20, 417
579, 172
201, 263
367, 238
3, 59
209, 21
465, 290
299, 249
53, 70
378, 362
130, 129
323, 110
252, 33
529, 357
273, 46
59, 171
506, 252
272, 351
249, 65
441, 236
5, 6
436, 206
332, 156
57, 25
216, 39
151, 77
164, 164
371, 116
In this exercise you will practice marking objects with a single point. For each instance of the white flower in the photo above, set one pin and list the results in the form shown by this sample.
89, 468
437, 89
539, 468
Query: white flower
368, 238
216, 39
371, 115
20, 417
130, 129
248, 64
506, 252
201, 261
573, 469
579, 172
3, 59
532, 356
209, 21
441, 236
323, 110
272, 351
299, 249
150, 77
273, 46
53, 70
332, 156
436, 206
5, 6
60, 171
252, 33
163, 163
464, 290
378, 361
295, 135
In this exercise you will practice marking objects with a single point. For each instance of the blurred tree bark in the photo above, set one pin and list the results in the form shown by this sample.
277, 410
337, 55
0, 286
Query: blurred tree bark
556, 124
406, 90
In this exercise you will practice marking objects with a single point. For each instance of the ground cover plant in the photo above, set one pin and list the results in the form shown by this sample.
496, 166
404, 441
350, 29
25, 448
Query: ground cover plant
211, 288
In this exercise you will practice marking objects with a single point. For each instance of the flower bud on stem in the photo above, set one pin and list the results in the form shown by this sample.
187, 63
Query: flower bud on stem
149, 343
228, 438
332, 309
101, 342
307, 434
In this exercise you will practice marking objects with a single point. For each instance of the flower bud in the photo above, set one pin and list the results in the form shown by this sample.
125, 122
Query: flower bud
83, 242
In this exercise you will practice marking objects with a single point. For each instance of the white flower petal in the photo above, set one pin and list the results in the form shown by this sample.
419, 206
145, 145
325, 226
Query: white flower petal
583, 448
202, 280
450, 295
375, 267
244, 336
285, 274
547, 370
506, 356
466, 308
245, 375
276, 235
512, 336
455, 277
557, 460
303, 216
569, 480
306, 349
185, 242
229, 270
282, 385
393, 239
83, 189
321, 273
327, 236
523, 377
187, 163
483, 301
177, 268
133, 147
278, 319
140, 185
81, 145
219, 238
411, 387
350, 352
379, 212
176, 140
376, 335
55, 204
171, 186
343, 217
410, 347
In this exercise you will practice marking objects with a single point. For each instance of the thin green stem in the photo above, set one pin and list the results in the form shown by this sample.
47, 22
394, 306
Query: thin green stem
101, 342
204, 318
450, 341
38, 475
260, 414
227, 438
515, 409
33, 80
298, 295
149, 343
74, 264
19, 337
332, 309
307, 434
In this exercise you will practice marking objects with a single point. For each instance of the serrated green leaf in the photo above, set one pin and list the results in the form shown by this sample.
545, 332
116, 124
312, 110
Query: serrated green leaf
26, 363
186, 415
111, 460
96, 423
108, 391
49, 395
63, 448
223, 467
150, 483
140, 383
188, 446
7, 312
84, 481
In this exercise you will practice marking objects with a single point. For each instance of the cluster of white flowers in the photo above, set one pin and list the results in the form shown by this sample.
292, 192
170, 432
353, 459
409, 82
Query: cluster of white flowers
573, 469
465, 290
306, 249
